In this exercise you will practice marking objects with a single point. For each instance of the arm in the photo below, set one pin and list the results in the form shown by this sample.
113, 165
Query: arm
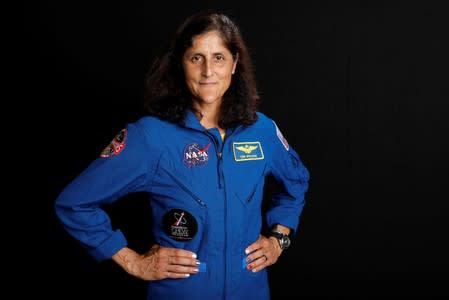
286, 206
79, 208
293, 179
106, 179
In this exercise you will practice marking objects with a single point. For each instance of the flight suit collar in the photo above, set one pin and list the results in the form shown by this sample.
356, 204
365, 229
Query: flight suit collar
191, 121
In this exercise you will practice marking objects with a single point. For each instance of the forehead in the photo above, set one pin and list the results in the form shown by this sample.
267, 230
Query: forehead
208, 41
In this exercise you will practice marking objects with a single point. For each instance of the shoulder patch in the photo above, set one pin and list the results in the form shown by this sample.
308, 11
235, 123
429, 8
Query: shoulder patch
281, 137
116, 145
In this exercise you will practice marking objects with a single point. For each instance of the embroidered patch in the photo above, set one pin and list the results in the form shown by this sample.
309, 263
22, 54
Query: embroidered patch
194, 155
247, 151
116, 145
180, 225
281, 137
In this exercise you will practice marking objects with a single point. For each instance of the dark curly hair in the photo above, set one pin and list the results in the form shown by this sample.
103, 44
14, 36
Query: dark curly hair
166, 93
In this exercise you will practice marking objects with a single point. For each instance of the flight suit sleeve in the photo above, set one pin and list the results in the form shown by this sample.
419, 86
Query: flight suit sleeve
293, 180
123, 167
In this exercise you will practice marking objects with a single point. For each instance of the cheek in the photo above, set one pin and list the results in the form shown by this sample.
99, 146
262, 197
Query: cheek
188, 74
226, 73
191, 86
190, 80
190, 71
226, 78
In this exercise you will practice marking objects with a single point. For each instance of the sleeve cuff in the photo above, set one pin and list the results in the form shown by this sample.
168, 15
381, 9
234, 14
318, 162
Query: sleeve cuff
286, 221
110, 246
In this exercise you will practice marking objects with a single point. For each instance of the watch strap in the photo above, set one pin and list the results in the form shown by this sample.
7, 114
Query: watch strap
283, 239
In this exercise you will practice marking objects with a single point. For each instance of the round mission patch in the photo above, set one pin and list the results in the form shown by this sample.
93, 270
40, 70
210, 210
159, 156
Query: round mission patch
116, 145
180, 225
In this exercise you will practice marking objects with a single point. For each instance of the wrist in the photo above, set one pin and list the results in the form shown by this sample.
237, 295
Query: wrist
282, 229
126, 258
282, 238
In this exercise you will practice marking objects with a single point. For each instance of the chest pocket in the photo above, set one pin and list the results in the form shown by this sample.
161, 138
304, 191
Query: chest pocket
247, 170
183, 186
179, 212
188, 182
248, 178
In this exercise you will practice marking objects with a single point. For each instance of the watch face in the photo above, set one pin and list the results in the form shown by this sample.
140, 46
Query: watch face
285, 242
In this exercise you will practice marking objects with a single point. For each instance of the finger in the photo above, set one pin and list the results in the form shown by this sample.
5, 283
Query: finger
182, 253
182, 269
174, 271
177, 275
262, 260
261, 242
253, 247
184, 261
255, 255
257, 263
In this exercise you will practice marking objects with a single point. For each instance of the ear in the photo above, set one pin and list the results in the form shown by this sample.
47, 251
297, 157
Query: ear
235, 63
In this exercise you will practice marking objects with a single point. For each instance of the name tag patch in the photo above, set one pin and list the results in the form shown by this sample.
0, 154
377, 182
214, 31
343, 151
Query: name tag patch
247, 151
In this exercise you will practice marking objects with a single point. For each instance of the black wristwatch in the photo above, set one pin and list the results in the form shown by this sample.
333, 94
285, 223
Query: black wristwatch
283, 239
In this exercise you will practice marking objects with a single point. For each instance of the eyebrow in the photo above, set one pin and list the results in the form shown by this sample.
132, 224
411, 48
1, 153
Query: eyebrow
202, 54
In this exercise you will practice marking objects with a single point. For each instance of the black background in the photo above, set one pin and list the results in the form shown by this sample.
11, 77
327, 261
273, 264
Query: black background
360, 91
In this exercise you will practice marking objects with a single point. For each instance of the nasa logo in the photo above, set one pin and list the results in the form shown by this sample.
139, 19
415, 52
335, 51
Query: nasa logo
194, 155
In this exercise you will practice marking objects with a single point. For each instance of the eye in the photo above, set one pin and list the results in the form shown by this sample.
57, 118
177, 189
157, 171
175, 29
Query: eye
196, 58
219, 58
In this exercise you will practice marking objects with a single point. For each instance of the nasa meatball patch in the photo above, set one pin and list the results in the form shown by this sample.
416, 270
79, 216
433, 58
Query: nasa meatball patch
116, 145
195, 155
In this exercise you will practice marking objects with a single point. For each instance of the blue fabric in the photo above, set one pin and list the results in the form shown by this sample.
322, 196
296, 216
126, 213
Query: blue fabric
218, 184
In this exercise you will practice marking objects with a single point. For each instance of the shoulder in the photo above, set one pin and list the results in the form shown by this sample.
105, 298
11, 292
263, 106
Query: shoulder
265, 122
272, 130
149, 124
265, 126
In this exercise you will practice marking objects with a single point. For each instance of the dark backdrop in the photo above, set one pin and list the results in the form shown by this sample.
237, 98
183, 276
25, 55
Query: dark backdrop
360, 91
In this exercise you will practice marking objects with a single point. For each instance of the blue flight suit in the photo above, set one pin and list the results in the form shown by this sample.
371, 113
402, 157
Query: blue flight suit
205, 193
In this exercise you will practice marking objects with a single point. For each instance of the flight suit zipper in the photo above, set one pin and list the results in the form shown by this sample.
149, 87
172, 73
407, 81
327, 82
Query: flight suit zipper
221, 185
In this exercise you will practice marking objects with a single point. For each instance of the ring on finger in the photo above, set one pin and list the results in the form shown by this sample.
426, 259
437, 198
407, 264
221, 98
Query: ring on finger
266, 258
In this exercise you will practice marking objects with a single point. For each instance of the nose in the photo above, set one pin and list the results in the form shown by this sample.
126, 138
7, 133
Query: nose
207, 68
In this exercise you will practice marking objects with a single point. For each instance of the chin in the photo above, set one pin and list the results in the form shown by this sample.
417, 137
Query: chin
209, 100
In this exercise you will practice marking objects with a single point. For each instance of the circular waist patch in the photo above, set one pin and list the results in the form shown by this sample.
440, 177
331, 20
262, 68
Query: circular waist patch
180, 225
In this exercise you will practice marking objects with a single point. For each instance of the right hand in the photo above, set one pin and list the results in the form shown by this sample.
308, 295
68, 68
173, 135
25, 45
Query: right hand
158, 263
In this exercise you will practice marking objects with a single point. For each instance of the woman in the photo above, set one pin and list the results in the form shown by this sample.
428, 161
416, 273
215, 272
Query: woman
202, 154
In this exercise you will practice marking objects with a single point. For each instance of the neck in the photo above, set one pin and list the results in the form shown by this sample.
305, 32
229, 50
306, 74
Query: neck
208, 115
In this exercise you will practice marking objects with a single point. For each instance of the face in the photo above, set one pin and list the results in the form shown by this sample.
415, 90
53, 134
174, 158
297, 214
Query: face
208, 68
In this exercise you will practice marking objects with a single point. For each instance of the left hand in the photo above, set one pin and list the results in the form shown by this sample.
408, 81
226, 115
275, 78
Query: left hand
262, 253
